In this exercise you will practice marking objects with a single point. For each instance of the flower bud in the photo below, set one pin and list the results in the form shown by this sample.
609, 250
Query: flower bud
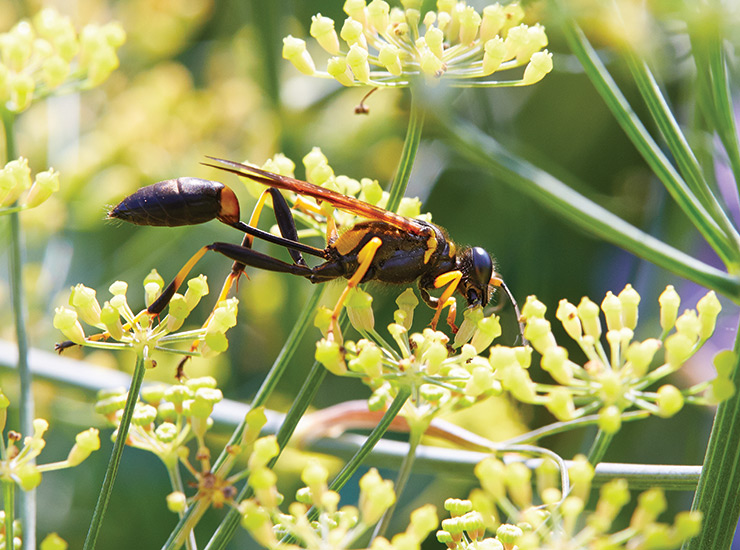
539, 65
670, 400
588, 312
555, 361
52, 541
294, 50
338, 68
359, 310
708, 308
85, 443
197, 288
508, 534
678, 348
357, 61
353, 33
15, 178
494, 52
377, 13
166, 432
669, 301
560, 403
376, 496
610, 419
492, 22
640, 355
612, 308
329, 354
83, 300
491, 473
470, 21
265, 449
177, 502
457, 507
65, 319
322, 29
390, 57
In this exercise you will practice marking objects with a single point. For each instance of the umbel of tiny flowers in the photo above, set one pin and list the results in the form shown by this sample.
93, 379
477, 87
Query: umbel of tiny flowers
46, 53
330, 526
441, 380
167, 420
546, 520
611, 383
18, 462
19, 192
389, 47
141, 332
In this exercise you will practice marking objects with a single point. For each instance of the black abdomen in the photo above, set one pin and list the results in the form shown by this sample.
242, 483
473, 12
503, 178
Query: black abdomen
181, 201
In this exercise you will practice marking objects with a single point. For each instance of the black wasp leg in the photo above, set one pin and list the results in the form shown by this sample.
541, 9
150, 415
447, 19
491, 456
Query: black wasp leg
286, 223
252, 258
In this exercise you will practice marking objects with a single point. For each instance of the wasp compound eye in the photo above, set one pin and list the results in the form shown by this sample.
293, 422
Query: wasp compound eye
482, 265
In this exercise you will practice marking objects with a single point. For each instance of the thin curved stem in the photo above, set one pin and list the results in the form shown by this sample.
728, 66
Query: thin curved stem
408, 155
115, 458
26, 405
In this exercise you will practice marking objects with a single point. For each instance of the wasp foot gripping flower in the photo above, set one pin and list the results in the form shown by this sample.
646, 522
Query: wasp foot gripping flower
46, 54
18, 463
547, 521
142, 332
443, 377
389, 47
611, 383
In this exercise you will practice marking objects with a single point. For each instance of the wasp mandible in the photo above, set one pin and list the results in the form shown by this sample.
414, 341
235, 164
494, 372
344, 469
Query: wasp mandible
386, 247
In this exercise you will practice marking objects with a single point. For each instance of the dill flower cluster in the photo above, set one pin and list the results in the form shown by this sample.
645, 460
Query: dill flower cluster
611, 383
16, 185
315, 521
388, 47
18, 462
548, 520
141, 332
45, 53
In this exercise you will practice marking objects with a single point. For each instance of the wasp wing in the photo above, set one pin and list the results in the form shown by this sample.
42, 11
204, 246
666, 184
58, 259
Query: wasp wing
338, 200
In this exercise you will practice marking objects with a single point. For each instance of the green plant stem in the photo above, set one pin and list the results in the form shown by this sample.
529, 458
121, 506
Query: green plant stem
685, 158
194, 512
718, 493
115, 458
9, 509
228, 526
651, 153
26, 406
599, 446
408, 154
484, 151
404, 473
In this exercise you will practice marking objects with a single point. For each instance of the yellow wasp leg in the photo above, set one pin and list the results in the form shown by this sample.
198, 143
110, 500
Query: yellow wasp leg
365, 257
451, 279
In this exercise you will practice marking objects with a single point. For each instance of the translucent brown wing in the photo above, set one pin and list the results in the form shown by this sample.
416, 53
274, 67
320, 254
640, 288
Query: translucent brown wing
338, 200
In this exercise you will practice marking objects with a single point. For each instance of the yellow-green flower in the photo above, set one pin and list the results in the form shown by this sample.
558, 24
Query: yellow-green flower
142, 332
380, 45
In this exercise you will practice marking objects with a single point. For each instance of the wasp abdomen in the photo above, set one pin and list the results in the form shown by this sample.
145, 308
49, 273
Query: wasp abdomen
181, 201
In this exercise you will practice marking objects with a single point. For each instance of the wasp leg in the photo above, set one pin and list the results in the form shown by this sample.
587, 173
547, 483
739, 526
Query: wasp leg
160, 303
451, 279
252, 258
365, 257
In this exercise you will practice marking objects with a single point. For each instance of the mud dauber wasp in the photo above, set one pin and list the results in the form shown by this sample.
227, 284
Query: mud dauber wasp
387, 247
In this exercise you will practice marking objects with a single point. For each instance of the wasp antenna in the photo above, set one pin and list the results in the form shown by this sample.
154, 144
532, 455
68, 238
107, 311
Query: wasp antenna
502, 284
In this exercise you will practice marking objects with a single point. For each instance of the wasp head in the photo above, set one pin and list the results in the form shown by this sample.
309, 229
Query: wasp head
476, 266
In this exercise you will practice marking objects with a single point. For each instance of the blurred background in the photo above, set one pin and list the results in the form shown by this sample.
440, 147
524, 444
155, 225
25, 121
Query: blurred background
200, 77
